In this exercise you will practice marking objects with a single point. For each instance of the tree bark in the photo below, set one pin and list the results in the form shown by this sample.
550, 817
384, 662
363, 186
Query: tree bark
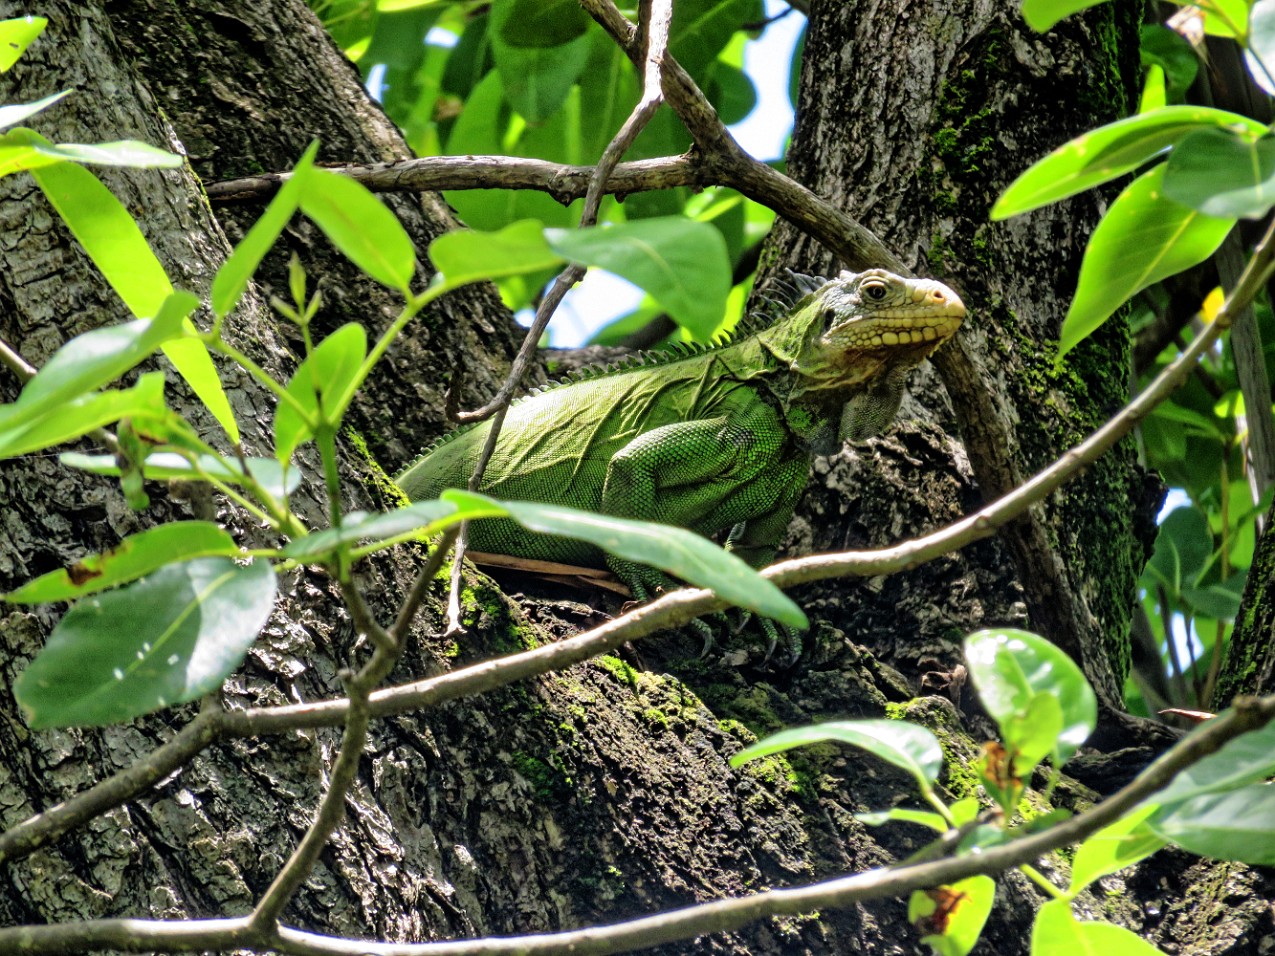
601, 792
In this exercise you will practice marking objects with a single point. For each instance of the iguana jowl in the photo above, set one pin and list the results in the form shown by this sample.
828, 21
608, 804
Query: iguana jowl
718, 439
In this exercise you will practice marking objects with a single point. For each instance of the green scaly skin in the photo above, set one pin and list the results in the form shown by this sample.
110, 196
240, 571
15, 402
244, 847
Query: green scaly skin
714, 441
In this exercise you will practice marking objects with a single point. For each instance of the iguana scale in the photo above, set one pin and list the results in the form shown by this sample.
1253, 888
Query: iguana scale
713, 440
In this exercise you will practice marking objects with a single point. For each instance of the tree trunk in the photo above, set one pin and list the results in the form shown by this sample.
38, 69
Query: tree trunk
601, 792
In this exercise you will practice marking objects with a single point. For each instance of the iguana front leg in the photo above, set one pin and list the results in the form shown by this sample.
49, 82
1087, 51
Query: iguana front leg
696, 474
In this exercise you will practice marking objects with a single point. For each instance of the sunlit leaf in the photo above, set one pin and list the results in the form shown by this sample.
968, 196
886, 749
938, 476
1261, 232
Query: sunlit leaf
1010, 667
164, 465
16, 35
232, 278
926, 818
135, 556
1113, 848
95, 359
1143, 238
78, 416
127, 152
1057, 933
1043, 14
681, 553
324, 378
907, 746
168, 638
15, 113
951, 918
121, 253
1247, 759
1108, 152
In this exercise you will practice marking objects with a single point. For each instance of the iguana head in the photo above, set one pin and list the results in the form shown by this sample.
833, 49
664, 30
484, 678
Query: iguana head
863, 327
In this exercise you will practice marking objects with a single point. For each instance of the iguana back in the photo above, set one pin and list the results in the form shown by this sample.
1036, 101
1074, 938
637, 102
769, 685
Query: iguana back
715, 441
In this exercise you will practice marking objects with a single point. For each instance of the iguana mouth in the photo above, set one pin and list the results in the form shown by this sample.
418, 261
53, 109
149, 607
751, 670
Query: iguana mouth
932, 316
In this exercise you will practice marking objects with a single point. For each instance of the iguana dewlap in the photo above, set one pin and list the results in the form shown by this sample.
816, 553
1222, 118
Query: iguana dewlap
716, 439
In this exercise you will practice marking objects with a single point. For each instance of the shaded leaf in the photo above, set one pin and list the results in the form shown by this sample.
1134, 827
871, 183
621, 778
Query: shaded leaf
1143, 238
907, 746
1235, 825
424, 517
135, 556
682, 264
361, 226
168, 638
467, 256
537, 66
1223, 173
1247, 759
1183, 546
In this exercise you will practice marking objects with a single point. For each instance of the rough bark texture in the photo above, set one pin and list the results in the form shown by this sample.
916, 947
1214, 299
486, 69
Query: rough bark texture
602, 792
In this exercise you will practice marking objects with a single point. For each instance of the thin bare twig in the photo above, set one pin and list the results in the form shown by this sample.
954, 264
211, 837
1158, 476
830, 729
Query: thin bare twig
659, 17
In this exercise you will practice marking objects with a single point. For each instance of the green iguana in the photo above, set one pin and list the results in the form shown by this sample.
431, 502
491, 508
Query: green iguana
712, 439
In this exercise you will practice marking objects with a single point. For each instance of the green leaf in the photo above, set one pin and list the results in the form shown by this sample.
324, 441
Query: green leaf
1109, 152
538, 66
682, 263
1010, 667
1183, 546
167, 465
171, 637
966, 906
1223, 173
135, 556
1247, 759
362, 227
1057, 933
1113, 848
1260, 55
79, 416
1169, 50
702, 28
1229, 18
925, 818
1031, 736
424, 517
16, 35
1043, 14
1214, 601
326, 377
232, 278
1143, 238
17, 112
117, 247
681, 553
94, 359
1236, 825
907, 746
465, 256
126, 152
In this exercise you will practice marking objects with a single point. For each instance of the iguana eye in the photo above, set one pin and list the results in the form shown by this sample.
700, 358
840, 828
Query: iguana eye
875, 290
829, 316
